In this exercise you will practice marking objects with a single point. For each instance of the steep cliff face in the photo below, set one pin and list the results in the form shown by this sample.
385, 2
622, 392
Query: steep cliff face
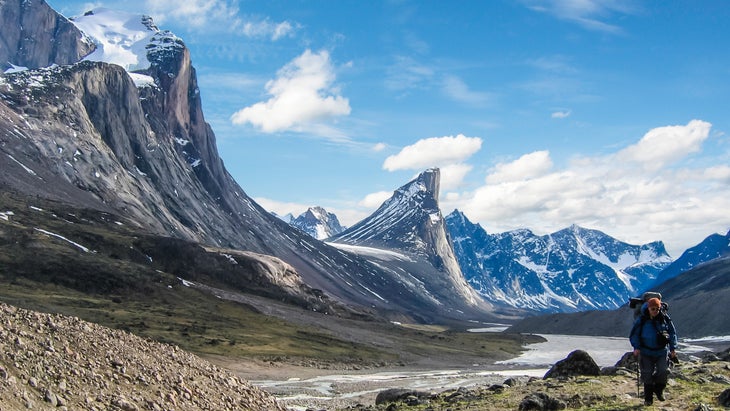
410, 222
136, 144
34, 36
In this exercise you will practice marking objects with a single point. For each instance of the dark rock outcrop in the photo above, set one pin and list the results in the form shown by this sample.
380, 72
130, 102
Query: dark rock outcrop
541, 402
576, 363
724, 398
410, 397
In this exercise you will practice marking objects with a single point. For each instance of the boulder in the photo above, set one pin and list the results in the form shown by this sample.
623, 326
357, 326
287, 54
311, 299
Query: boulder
541, 402
724, 398
400, 394
576, 363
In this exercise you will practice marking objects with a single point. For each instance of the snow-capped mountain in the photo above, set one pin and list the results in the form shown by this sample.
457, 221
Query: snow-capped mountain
712, 247
318, 223
570, 270
287, 218
128, 137
410, 224
695, 299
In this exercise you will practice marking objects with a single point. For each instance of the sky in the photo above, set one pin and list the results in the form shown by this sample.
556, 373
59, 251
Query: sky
609, 114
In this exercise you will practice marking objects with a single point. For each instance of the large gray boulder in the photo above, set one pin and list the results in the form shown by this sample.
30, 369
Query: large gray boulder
576, 363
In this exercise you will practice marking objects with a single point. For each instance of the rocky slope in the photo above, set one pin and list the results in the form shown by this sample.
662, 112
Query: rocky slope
50, 361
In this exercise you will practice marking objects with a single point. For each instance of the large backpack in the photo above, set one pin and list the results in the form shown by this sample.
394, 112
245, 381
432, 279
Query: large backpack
637, 302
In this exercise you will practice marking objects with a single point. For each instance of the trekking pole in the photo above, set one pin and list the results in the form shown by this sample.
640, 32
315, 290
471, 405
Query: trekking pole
638, 377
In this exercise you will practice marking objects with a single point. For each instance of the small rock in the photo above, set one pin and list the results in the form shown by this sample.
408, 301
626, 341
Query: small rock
50, 398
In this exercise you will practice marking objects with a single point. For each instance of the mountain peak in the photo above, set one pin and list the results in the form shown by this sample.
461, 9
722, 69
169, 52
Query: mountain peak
428, 182
399, 222
318, 223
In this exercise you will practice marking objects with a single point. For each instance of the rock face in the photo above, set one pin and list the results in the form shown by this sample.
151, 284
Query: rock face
33, 36
410, 223
49, 361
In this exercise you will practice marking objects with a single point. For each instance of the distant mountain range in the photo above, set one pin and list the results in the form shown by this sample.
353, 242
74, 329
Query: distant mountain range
574, 269
694, 297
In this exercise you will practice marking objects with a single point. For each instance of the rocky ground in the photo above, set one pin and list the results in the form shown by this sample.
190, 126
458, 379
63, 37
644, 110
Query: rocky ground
58, 362
701, 384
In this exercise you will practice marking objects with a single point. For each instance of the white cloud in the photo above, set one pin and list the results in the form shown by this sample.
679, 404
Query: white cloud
561, 114
457, 90
526, 167
374, 200
379, 147
664, 145
218, 15
434, 152
303, 95
452, 175
280, 207
407, 74
197, 13
265, 28
589, 14
616, 193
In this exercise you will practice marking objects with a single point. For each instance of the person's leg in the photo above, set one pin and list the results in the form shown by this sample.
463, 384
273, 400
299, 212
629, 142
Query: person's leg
660, 379
647, 377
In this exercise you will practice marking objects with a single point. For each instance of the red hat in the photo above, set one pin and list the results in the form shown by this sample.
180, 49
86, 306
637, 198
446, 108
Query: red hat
654, 303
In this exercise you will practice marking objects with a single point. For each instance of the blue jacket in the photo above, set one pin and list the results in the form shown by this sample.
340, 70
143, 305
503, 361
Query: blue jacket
644, 333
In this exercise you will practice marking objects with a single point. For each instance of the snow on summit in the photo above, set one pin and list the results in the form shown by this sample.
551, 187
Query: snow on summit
124, 39
121, 38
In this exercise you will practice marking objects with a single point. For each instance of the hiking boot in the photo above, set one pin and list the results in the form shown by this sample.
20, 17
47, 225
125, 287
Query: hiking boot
659, 391
648, 394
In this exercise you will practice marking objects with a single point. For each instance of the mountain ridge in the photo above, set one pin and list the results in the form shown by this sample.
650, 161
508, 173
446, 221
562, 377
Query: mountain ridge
572, 269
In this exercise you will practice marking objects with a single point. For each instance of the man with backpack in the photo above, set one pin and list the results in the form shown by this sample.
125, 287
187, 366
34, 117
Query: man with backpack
652, 332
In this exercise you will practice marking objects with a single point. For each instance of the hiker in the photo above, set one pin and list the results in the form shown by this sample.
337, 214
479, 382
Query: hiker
652, 332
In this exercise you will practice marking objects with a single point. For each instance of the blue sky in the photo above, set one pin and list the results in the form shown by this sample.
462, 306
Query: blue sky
608, 114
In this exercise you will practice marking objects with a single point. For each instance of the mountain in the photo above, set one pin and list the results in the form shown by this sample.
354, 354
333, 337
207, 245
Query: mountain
407, 234
128, 138
714, 246
318, 223
35, 36
573, 269
694, 298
